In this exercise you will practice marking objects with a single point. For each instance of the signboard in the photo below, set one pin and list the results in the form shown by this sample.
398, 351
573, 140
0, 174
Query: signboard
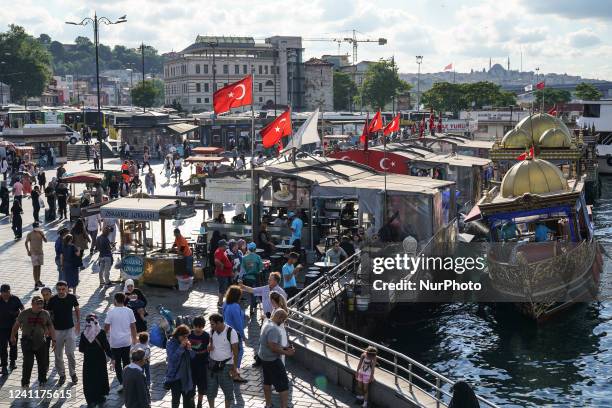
54, 118
132, 267
225, 190
129, 214
453, 125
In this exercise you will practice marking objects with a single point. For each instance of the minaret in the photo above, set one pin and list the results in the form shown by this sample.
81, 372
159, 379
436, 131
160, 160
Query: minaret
489, 63
508, 63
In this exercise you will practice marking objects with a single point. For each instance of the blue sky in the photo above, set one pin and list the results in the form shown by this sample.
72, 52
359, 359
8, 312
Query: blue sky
564, 36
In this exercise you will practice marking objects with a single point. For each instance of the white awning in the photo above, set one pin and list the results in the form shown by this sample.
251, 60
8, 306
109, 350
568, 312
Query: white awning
181, 128
137, 209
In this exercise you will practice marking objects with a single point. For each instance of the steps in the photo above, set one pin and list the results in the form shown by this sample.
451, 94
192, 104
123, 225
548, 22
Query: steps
78, 151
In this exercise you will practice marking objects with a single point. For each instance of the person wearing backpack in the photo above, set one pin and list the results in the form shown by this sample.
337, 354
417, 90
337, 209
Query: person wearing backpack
178, 371
223, 360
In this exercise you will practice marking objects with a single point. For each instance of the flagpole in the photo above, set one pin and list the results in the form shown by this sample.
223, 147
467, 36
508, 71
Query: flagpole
254, 192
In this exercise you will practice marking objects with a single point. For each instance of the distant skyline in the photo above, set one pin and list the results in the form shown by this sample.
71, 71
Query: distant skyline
562, 36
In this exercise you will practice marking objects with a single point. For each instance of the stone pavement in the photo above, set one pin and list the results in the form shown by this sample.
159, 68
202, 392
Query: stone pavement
16, 270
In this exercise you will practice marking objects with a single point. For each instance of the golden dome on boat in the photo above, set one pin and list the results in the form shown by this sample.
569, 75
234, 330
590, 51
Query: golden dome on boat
536, 125
516, 139
555, 138
532, 176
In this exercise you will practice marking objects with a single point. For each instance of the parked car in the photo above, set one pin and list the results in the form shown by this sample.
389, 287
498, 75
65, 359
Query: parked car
74, 135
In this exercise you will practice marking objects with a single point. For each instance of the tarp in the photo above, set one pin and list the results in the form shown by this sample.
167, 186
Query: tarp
82, 177
306, 134
137, 209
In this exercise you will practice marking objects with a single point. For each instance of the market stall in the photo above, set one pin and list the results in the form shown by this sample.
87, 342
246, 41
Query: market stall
141, 257
83, 177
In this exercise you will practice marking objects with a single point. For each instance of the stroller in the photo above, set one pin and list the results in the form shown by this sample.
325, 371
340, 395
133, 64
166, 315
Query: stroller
160, 333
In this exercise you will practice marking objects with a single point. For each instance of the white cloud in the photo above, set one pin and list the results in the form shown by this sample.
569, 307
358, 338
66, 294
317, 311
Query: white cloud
583, 39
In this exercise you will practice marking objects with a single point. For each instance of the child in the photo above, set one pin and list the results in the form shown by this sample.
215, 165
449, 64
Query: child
138, 307
365, 373
143, 344
199, 343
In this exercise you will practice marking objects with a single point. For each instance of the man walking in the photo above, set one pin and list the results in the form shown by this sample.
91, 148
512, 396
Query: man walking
93, 222
35, 322
270, 352
223, 360
135, 390
105, 260
150, 182
10, 307
61, 306
34, 247
59, 245
120, 325
96, 157
35, 197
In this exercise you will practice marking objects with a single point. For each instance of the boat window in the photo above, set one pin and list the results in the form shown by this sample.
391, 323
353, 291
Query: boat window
592, 111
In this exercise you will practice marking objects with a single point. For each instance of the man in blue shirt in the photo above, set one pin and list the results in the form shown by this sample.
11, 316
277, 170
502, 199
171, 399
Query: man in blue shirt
290, 271
58, 252
296, 231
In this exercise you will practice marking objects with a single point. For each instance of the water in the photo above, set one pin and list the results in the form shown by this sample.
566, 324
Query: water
566, 362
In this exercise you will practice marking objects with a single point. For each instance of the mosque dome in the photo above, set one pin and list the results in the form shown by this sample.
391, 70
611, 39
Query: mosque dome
516, 139
555, 137
536, 125
534, 176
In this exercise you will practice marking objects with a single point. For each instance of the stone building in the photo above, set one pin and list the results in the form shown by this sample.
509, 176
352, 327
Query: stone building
318, 85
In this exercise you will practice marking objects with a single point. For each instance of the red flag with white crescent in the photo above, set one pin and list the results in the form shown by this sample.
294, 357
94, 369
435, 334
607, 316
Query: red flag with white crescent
375, 124
525, 155
363, 139
392, 126
234, 95
553, 111
275, 130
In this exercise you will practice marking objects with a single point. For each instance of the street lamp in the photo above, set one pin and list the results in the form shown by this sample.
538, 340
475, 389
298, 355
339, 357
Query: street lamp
419, 60
131, 69
95, 21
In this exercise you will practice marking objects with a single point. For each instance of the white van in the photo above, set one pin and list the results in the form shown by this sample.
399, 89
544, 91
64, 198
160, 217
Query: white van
74, 135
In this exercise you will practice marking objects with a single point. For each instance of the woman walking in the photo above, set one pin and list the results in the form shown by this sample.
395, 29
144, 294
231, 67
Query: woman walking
233, 315
16, 212
4, 199
70, 261
81, 238
178, 371
95, 348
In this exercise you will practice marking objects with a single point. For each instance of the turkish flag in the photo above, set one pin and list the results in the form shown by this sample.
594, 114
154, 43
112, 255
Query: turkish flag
525, 155
553, 111
376, 123
275, 130
364, 133
448, 67
392, 126
234, 95
431, 121
540, 85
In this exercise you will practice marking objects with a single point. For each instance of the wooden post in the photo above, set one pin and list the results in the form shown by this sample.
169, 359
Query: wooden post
163, 234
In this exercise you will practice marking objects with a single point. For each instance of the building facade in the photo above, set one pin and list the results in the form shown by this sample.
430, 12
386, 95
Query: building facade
5, 94
192, 75
318, 85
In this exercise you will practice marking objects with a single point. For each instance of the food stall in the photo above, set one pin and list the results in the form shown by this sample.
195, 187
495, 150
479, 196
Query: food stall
83, 177
143, 260
207, 151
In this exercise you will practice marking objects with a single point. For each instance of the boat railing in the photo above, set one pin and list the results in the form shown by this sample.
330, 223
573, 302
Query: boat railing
405, 371
327, 287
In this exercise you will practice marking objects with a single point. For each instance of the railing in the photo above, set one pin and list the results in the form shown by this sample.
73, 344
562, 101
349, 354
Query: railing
325, 288
398, 365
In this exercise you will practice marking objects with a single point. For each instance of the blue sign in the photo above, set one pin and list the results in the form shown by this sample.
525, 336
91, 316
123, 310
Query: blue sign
132, 267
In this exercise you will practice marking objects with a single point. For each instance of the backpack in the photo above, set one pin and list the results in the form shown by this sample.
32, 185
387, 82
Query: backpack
229, 334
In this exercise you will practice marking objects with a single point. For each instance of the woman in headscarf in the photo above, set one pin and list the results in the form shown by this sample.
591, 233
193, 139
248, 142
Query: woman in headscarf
4, 199
16, 212
70, 261
95, 348
81, 237
135, 300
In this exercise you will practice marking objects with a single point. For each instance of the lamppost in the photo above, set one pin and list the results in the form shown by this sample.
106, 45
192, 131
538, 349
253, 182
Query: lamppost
131, 69
419, 60
95, 21
213, 45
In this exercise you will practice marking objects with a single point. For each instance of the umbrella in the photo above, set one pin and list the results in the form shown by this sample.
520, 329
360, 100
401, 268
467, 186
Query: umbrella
6, 143
82, 177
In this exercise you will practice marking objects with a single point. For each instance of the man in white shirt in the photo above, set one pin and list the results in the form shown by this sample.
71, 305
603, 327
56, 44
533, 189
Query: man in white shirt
120, 326
224, 360
93, 222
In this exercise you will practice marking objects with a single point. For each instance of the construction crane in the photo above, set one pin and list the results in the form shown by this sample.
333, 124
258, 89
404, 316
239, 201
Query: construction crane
351, 40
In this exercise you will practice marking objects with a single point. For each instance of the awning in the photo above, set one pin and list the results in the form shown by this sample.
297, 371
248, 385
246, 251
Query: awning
137, 209
207, 150
206, 159
182, 128
82, 177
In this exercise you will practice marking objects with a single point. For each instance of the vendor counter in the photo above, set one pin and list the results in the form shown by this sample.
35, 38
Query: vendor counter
161, 268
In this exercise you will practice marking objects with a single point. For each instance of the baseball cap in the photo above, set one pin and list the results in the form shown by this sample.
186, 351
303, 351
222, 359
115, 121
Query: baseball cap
37, 299
290, 214
5, 288
251, 246
222, 242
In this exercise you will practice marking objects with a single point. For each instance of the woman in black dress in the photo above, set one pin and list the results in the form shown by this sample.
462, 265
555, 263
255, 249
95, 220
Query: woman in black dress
4, 199
16, 211
95, 348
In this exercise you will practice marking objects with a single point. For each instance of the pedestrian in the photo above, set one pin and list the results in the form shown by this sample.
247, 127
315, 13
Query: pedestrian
88, 151
47, 294
98, 194
264, 292
61, 307
96, 157
95, 348
18, 191
17, 222
126, 150
35, 323
81, 238
199, 340
146, 158
223, 269
42, 180
182, 247
59, 242
270, 351
233, 315
279, 302
336, 254
136, 393
93, 223
290, 271
61, 192
113, 188
105, 259
4, 199
150, 182
178, 371
135, 300
34, 247
4, 167
60, 172
251, 268
178, 168
120, 325
36, 202
296, 225
112, 224
463, 396
143, 344
158, 149
70, 261
365, 373
10, 307
223, 360
50, 214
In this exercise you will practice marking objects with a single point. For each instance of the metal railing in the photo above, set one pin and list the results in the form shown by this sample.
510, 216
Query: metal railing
398, 365
327, 287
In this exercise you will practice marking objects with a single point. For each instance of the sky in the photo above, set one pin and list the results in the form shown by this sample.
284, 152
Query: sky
562, 36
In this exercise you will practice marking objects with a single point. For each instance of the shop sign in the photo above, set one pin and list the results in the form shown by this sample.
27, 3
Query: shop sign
129, 214
132, 267
228, 190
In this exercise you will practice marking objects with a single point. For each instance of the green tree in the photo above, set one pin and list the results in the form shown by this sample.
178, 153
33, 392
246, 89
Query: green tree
344, 90
552, 97
145, 94
484, 93
381, 83
587, 92
27, 66
161, 92
445, 97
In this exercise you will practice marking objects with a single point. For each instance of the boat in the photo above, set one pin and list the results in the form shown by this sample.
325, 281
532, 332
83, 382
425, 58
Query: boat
542, 255
597, 115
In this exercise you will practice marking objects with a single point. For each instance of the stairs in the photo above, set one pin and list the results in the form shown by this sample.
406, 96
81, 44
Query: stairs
78, 151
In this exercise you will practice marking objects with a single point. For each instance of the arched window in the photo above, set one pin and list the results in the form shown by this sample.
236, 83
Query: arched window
269, 83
